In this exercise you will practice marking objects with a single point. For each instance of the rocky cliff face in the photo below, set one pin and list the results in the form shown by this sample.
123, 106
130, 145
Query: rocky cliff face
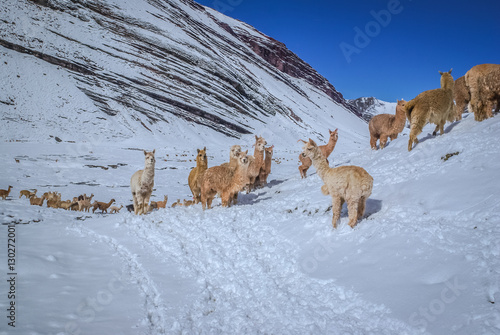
152, 62
368, 107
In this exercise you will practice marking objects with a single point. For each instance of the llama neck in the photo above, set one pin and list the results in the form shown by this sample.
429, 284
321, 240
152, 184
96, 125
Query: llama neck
399, 121
330, 146
268, 160
320, 164
203, 165
109, 203
259, 157
148, 173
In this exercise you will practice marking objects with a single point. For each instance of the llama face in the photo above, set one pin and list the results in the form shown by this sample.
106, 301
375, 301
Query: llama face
269, 151
243, 158
334, 135
235, 151
150, 158
202, 156
309, 149
260, 143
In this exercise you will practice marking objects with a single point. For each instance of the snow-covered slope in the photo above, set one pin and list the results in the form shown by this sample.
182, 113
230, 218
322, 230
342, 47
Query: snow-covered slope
368, 107
118, 69
424, 260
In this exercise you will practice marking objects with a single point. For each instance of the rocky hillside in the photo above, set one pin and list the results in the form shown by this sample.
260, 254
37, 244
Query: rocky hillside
368, 107
124, 66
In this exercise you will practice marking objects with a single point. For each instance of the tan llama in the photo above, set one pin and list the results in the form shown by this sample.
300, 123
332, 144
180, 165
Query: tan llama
267, 165
351, 184
233, 157
114, 209
26, 193
102, 206
37, 201
5, 193
383, 126
483, 82
325, 149
257, 164
142, 183
461, 95
162, 204
196, 174
225, 181
434, 106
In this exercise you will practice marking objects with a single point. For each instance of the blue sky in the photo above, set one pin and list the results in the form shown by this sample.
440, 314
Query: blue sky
405, 42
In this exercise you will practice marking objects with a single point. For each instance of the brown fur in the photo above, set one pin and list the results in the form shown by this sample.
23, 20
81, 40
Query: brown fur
383, 126
351, 184
483, 82
37, 201
27, 193
102, 206
434, 106
461, 95
162, 204
257, 164
196, 174
233, 157
267, 165
326, 150
5, 193
225, 181
177, 203
142, 183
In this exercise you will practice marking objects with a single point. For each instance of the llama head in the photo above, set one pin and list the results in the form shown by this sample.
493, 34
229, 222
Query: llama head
150, 158
447, 81
201, 158
243, 158
269, 151
235, 151
334, 135
310, 149
260, 143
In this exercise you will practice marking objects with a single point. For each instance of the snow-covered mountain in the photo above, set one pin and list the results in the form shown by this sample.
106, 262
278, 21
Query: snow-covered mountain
132, 67
368, 107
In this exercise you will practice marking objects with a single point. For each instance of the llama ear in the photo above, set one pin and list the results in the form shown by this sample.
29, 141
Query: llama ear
441, 73
154, 150
256, 138
145, 153
312, 142
246, 152
198, 151
450, 70
204, 148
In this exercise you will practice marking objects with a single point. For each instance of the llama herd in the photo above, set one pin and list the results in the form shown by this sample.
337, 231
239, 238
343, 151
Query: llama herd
479, 89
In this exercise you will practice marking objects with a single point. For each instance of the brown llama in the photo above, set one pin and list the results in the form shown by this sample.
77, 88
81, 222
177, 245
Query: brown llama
162, 204
461, 95
5, 193
37, 201
257, 163
26, 193
102, 206
325, 149
196, 174
483, 82
267, 165
142, 183
434, 106
225, 181
351, 184
383, 126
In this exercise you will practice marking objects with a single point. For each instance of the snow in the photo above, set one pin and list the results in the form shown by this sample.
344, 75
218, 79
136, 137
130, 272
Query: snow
424, 260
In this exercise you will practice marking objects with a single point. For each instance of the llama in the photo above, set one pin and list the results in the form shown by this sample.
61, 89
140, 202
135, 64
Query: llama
267, 165
37, 201
188, 203
114, 209
434, 106
102, 206
177, 203
26, 193
461, 95
224, 180
142, 183
196, 174
351, 184
325, 149
233, 156
383, 126
5, 193
483, 82
257, 164
84, 202
162, 204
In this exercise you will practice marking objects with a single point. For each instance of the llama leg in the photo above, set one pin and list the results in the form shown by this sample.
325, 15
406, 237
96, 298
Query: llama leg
373, 142
352, 209
140, 204
414, 132
361, 207
336, 209
489, 109
383, 141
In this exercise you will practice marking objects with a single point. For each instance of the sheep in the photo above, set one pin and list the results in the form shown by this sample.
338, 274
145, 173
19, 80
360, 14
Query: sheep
5, 193
461, 95
483, 82
325, 149
435, 106
102, 206
267, 165
224, 180
26, 193
162, 204
142, 183
196, 174
387, 125
351, 184
114, 209
257, 164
